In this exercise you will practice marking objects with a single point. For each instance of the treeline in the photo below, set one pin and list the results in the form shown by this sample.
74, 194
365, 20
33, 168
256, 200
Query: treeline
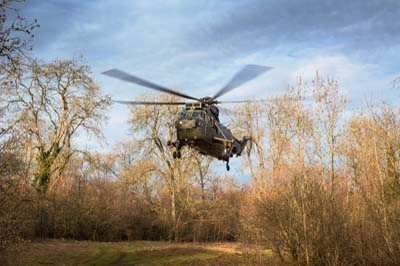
91, 204
325, 187
326, 182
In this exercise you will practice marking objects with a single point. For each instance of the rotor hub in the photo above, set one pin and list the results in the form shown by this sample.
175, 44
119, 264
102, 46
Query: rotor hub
208, 100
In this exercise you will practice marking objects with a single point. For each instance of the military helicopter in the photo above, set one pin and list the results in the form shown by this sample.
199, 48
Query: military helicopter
198, 125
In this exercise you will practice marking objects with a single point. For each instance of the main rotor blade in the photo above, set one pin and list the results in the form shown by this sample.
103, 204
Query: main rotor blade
247, 73
258, 101
149, 103
244, 101
118, 74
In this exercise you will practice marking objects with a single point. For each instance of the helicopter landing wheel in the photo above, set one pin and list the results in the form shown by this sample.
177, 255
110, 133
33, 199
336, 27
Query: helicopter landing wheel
227, 167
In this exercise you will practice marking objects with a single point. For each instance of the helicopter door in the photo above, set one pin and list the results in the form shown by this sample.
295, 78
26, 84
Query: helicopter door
209, 126
214, 122
202, 118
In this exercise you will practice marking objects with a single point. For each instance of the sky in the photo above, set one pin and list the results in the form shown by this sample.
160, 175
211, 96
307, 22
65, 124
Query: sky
196, 46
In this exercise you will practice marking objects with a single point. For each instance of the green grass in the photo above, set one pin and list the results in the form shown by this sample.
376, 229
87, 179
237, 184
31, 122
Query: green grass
165, 257
85, 253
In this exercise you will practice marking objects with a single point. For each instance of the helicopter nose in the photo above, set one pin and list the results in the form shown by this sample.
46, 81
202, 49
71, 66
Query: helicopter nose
187, 124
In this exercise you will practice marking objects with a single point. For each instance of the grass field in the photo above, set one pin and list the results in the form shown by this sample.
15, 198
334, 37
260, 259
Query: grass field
85, 253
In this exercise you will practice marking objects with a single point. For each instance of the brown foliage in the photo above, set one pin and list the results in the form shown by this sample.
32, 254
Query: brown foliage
331, 195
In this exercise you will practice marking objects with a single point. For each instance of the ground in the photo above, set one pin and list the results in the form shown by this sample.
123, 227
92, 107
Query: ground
86, 253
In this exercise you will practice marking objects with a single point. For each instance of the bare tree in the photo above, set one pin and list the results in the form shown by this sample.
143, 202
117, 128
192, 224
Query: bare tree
153, 126
16, 31
51, 103
250, 119
371, 151
15, 39
330, 107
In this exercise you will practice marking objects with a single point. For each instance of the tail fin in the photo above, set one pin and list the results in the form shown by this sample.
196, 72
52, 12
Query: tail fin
243, 143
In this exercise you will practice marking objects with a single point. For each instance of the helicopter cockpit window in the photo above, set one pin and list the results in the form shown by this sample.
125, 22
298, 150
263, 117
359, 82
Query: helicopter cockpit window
188, 115
194, 115
197, 114
206, 118
203, 116
181, 115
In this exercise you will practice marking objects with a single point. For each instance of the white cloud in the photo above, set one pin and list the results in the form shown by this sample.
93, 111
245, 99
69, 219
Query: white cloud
187, 45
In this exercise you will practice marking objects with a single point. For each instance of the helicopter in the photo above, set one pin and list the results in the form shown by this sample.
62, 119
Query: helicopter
198, 125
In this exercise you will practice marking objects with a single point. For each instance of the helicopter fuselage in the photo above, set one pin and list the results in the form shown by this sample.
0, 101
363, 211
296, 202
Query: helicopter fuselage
198, 127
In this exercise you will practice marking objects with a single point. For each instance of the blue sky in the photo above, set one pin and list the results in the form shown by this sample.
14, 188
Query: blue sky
196, 46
